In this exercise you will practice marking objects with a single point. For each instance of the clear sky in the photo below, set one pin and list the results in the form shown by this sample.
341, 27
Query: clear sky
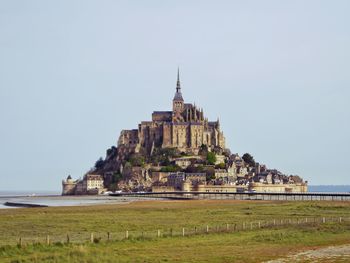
73, 74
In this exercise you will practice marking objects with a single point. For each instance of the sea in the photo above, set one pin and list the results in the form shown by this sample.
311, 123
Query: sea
329, 188
54, 198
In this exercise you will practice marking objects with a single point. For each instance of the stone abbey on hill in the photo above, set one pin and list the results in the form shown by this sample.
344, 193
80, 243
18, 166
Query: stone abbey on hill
179, 150
185, 128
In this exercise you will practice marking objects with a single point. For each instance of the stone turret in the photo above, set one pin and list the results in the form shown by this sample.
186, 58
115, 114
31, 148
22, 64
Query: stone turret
68, 186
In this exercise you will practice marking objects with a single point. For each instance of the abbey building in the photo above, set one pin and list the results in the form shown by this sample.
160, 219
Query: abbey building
185, 128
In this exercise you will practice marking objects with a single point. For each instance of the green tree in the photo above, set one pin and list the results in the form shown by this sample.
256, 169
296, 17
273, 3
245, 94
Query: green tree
170, 169
203, 150
99, 163
220, 166
137, 160
169, 152
194, 169
210, 173
162, 156
248, 159
211, 158
116, 177
127, 165
111, 152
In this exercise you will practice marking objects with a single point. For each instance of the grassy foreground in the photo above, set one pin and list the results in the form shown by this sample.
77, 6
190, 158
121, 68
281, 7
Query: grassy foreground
245, 246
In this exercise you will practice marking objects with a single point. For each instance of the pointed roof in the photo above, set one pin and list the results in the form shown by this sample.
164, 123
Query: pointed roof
178, 85
178, 95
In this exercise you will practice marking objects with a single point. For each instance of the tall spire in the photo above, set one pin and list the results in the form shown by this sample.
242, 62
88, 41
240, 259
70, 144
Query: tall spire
178, 95
178, 86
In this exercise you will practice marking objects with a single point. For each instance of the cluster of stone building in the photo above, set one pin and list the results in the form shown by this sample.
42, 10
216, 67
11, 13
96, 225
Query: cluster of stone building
186, 129
91, 184
237, 176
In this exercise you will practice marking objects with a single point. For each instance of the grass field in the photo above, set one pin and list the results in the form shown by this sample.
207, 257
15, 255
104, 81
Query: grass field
244, 246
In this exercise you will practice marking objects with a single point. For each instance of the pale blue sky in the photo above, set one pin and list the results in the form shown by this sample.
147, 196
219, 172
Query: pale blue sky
73, 74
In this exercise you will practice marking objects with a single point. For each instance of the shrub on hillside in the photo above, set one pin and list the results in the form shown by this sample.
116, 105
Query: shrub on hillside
211, 158
170, 169
220, 166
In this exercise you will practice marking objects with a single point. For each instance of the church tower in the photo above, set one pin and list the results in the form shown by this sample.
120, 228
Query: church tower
178, 101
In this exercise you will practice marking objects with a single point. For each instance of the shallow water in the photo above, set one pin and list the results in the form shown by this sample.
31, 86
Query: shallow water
54, 198
58, 200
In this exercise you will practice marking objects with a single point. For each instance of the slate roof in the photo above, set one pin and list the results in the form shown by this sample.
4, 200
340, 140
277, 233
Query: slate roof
178, 96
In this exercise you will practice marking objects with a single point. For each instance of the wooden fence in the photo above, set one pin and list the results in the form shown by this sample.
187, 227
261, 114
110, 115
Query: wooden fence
184, 231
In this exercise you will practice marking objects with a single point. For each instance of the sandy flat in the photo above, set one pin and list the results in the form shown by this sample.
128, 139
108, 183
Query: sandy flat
328, 254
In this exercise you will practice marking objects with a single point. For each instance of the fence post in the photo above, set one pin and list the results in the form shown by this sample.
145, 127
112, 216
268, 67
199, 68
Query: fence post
183, 231
339, 219
207, 229
67, 238
306, 220
47, 240
259, 224
108, 236
274, 222
195, 230
227, 227
158, 233
324, 220
126, 234
92, 237
20, 243
171, 232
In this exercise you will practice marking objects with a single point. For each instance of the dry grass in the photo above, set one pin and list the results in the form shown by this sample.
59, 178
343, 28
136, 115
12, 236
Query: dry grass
250, 246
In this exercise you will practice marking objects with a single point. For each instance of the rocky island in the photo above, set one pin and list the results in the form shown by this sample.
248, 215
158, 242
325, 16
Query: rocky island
179, 150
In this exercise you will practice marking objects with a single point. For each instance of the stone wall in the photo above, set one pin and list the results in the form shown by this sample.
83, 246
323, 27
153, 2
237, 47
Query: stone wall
129, 137
161, 177
161, 116
68, 187
167, 135
218, 188
163, 189
279, 188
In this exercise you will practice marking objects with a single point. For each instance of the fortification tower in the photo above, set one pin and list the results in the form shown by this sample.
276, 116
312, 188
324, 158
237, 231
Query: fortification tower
68, 186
